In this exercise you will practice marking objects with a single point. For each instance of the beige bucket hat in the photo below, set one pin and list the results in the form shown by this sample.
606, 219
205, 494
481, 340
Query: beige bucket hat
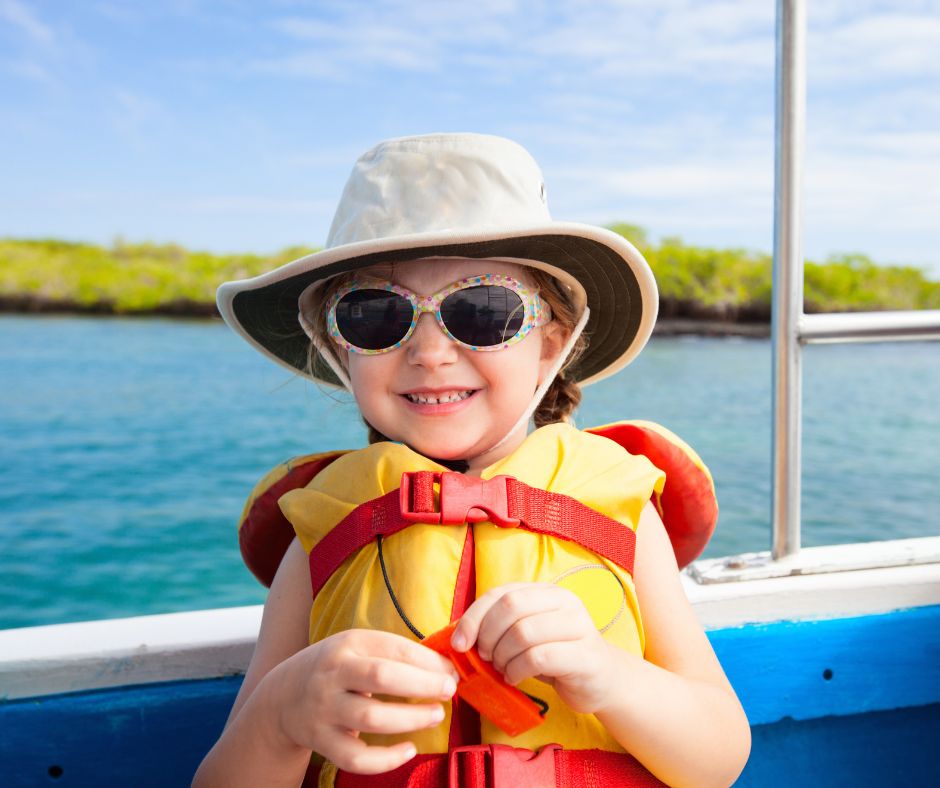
455, 195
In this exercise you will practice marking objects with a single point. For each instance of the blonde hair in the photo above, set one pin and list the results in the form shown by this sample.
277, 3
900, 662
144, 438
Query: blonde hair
563, 395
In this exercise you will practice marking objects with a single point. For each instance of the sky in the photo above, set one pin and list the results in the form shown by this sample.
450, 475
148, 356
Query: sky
231, 125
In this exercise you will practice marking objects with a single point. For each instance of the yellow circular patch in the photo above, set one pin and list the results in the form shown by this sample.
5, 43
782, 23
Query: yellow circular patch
600, 591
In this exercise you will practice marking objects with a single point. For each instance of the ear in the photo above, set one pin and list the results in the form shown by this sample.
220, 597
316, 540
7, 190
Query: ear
554, 338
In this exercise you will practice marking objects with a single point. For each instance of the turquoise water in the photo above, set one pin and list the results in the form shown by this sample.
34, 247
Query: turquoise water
128, 446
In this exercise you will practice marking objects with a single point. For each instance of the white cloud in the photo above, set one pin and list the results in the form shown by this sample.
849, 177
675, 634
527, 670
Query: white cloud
877, 48
47, 54
26, 21
617, 39
139, 119
31, 70
339, 51
849, 191
727, 198
657, 113
402, 36
608, 37
922, 147
723, 42
689, 181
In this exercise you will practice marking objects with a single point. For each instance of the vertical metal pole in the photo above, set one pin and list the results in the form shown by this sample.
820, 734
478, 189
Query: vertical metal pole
787, 307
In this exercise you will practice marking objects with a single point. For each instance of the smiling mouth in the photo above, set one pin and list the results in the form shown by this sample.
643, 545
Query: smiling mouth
439, 399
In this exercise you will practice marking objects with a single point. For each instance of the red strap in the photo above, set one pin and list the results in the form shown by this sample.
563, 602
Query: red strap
503, 500
596, 768
464, 719
380, 516
500, 766
567, 518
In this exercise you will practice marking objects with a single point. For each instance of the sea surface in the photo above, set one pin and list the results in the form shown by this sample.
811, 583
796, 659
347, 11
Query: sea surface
128, 447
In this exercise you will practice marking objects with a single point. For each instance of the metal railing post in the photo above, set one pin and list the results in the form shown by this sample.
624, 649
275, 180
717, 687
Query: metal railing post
787, 307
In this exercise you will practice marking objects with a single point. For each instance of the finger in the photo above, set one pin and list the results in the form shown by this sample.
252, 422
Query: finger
514, 606
465, 634
371, 675
370, 715
546, 660
376, 643
351, 754
553, 626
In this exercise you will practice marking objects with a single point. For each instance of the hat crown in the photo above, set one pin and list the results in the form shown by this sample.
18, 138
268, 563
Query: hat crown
438, 182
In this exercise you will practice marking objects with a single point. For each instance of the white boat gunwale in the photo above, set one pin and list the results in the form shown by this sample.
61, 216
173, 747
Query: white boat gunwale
63, 658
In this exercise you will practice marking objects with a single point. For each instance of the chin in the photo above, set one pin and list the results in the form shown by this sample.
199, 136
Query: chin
443, 449
441, 452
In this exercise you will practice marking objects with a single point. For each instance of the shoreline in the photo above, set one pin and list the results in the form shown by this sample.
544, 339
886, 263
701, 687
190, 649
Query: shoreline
671, 326
705, 327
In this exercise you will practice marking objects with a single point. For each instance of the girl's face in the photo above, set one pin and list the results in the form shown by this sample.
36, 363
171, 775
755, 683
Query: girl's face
440, 398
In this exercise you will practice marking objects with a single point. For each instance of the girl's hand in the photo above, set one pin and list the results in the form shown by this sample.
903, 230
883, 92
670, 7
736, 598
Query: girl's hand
544, 631
323, 697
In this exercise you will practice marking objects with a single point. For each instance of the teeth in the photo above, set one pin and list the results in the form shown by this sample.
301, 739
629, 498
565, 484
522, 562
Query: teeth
448, 396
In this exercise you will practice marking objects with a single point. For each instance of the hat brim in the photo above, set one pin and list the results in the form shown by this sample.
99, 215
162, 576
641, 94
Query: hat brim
619, 286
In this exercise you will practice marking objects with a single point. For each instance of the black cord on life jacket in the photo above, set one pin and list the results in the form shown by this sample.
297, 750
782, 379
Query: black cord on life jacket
388, 586
543, 706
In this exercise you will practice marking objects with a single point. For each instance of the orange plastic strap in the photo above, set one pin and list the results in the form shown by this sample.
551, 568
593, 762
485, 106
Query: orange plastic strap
482, 686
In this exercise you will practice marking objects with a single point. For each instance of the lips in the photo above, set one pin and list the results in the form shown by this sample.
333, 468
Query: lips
438, 397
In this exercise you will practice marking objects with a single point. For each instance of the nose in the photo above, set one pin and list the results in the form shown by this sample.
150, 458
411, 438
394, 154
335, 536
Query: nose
429, 346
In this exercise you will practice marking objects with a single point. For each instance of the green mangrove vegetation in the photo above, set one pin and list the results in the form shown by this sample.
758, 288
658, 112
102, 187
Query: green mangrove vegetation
694, 282
735, 284
124, 278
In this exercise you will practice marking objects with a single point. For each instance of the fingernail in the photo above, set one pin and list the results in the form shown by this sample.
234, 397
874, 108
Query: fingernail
410, 752
450, 687
459, 641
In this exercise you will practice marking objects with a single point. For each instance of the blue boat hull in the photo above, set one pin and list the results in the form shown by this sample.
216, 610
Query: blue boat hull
853, 701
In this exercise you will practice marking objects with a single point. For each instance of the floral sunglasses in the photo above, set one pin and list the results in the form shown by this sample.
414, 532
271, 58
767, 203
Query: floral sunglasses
488, 312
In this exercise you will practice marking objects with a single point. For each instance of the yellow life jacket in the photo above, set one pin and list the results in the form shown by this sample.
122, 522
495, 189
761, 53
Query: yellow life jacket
423, 561
317, 493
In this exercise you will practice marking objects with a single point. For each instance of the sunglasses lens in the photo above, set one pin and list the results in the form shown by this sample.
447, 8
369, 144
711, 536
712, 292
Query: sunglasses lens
373, 319
483, 316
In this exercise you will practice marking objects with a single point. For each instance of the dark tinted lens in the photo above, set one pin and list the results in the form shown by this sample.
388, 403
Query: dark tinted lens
373, 319
484, 316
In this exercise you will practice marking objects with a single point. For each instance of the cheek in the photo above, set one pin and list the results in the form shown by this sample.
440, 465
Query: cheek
527, 361
357, 372
370, 377
516, 369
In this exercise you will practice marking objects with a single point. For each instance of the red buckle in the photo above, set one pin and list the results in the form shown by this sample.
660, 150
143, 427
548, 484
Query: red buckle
500, 764
463, 499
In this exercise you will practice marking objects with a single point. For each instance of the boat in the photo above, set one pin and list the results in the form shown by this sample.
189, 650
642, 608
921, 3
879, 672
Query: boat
834, 651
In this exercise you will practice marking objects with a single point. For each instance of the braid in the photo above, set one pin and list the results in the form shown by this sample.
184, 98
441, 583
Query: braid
559, 402
563, 395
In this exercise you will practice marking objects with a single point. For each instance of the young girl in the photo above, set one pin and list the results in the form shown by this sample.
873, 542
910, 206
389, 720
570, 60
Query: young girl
545, 548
